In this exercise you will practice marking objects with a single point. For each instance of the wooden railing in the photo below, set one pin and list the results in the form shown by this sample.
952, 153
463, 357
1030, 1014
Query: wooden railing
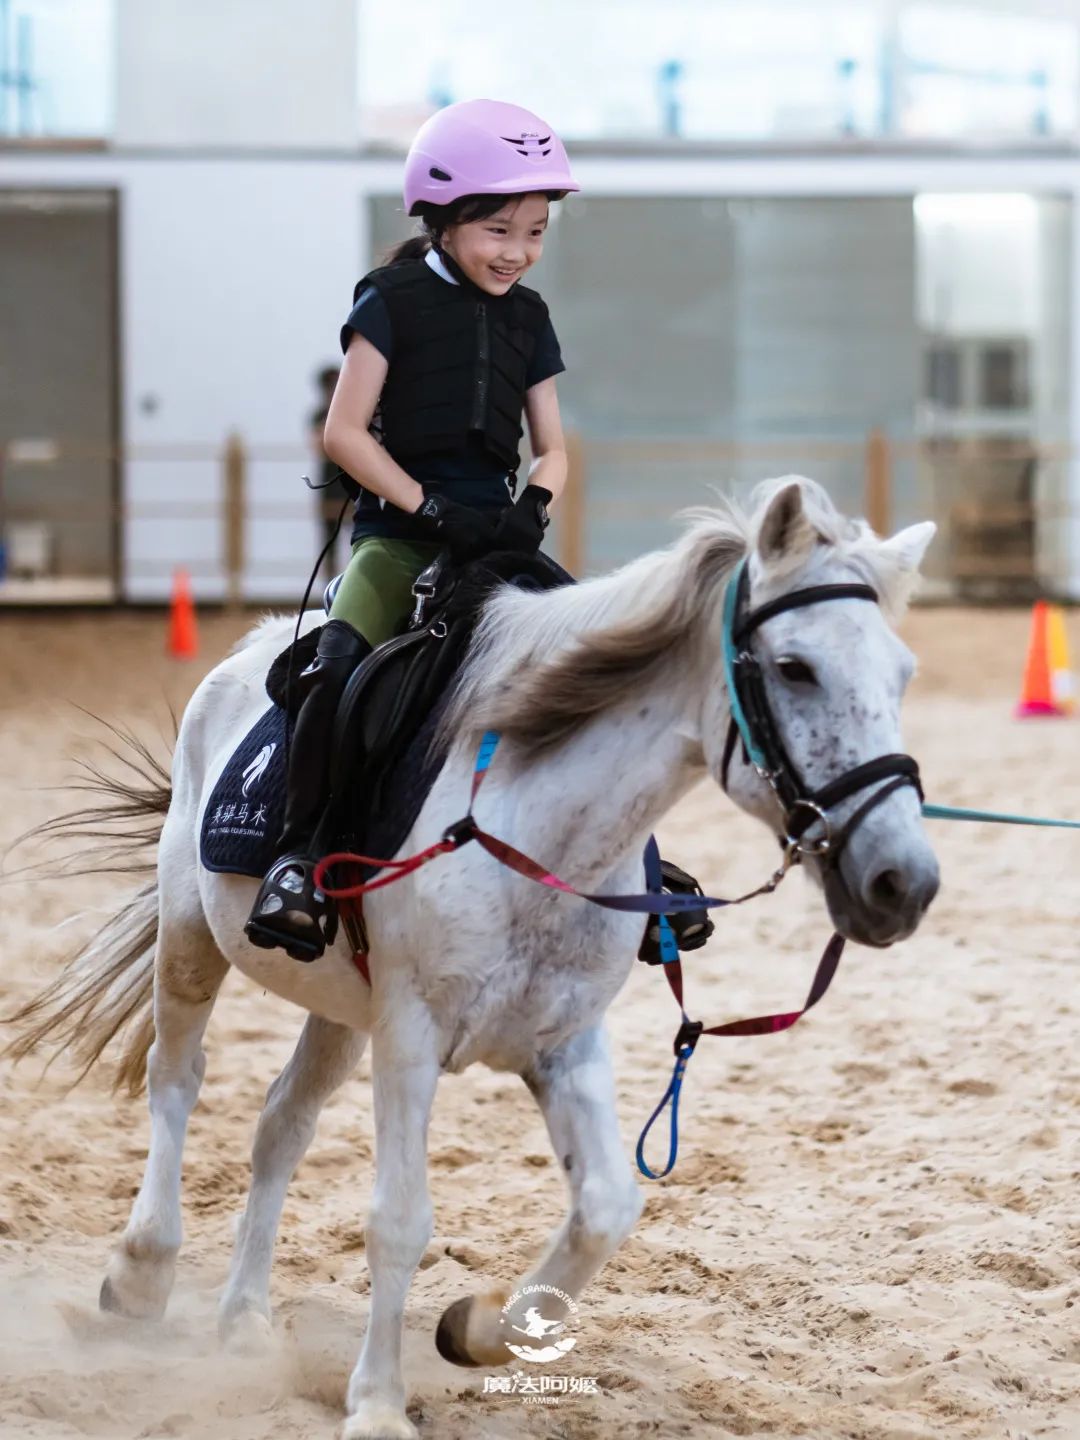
999, 505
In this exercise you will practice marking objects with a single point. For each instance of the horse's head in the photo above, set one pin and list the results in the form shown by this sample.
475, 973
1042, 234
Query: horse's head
829, 674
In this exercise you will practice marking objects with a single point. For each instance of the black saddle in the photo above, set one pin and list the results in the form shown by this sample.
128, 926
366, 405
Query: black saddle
383, 761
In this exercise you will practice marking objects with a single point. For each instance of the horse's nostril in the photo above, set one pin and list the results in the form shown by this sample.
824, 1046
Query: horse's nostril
887, 890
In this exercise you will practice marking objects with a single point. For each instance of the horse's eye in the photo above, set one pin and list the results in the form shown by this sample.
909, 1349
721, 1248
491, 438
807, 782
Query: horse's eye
797, 672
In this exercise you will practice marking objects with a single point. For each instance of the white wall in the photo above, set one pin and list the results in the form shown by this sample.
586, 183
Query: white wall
237, 277
233, 73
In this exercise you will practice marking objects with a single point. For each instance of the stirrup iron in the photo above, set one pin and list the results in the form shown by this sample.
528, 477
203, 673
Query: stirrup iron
691, 928
289, 890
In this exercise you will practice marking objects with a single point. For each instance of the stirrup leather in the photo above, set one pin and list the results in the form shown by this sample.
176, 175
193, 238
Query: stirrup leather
291, 911
691, 928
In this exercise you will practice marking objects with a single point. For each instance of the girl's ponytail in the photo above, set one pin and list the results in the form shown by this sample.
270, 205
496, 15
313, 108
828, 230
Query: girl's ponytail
415, 248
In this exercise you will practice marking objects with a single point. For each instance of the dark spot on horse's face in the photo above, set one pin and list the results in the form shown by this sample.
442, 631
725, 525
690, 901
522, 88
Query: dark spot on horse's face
643, 712
568, 1163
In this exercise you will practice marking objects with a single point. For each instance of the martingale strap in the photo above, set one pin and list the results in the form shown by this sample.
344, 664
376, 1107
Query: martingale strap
653, 901
691, 1031
649, 902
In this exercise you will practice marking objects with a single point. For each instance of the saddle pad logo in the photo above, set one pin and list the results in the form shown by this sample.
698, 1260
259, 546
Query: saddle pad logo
254, 772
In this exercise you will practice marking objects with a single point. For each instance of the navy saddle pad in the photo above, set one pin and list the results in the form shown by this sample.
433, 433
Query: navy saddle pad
244, 815
243, 818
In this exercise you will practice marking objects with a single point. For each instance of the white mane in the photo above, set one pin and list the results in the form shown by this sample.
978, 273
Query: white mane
541, 664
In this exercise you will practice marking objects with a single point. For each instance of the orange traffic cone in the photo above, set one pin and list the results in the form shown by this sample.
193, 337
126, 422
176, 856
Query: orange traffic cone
1037, 694
183, 632
1061, 676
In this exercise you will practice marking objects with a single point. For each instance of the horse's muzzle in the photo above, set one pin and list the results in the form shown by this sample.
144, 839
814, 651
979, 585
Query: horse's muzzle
889, 901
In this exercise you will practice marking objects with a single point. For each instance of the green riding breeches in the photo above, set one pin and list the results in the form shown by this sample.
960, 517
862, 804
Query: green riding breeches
375, 594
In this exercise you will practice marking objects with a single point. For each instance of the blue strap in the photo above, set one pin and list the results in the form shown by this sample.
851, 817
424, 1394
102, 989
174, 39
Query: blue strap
731, 602
994, 817
672, 1094
489, 743
654, 884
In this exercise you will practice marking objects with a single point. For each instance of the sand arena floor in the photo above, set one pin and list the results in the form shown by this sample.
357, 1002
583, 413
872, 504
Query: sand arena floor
873, 1229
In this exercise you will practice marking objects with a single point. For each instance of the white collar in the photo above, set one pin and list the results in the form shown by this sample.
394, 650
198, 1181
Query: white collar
435, 260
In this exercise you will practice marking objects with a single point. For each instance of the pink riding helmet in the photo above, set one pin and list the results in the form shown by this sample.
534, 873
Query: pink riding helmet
484, 147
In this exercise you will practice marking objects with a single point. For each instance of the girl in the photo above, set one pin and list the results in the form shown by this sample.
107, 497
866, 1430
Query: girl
445, 351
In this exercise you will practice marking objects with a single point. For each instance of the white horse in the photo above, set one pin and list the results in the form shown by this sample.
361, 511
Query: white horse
611, 699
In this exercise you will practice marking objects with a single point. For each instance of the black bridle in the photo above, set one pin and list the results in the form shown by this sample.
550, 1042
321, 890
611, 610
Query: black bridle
763, 747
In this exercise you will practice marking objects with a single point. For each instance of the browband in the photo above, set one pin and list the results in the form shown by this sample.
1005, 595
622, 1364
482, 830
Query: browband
796, 600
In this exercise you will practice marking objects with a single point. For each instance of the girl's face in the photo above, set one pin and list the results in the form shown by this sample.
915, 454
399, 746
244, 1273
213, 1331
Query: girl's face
496, 252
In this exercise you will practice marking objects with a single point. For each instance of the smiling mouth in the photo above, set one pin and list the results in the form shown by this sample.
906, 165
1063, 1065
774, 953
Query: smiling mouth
504, 274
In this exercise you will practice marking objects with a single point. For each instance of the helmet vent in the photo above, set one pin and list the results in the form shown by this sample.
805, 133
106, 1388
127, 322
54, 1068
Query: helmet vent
437, 174
532, 147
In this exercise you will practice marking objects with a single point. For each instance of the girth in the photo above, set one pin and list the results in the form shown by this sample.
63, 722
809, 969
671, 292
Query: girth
752, 721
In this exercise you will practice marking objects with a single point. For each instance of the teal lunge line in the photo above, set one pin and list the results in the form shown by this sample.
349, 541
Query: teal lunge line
994, 817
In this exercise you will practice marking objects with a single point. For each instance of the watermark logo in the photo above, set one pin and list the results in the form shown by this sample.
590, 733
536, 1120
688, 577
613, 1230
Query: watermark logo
541, 1389
538, 1338
537, 1325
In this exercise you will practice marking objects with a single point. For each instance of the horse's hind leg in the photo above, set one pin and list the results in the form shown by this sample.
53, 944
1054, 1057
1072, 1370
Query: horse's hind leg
188, 971
325, 1056
575, 1090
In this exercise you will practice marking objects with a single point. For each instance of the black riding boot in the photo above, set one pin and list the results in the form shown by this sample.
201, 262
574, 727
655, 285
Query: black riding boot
289, 909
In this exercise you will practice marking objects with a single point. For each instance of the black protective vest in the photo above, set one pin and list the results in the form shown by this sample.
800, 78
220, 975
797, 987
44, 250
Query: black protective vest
459, 363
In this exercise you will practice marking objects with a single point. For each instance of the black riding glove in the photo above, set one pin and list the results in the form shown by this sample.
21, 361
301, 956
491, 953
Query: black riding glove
465, 532
521, 527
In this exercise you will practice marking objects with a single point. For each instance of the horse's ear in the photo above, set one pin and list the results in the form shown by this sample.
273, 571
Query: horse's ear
907, 547
785, 530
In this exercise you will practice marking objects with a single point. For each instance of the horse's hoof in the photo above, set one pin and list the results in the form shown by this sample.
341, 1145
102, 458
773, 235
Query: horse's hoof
469, 1331
376, 1420
248, 1332
108, 1299
451, 1330
111, 1301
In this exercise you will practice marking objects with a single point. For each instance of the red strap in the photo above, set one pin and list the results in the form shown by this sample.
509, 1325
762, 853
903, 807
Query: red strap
397, 868
467, 829
768, 1024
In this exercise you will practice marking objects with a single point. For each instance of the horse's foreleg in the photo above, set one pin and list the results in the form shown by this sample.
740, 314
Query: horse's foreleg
325, 1056
575, 1091
405, 1070
188, 971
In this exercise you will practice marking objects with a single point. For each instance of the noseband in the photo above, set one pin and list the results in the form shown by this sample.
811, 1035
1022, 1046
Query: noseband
752, 721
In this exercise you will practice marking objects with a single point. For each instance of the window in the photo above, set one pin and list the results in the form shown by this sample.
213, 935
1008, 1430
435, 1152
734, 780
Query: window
966, 71
943, 385
56, 68
1003, 376
737, 70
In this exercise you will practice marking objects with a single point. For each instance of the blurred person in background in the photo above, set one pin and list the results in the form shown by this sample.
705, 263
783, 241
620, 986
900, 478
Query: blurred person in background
445, 354
331, 491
